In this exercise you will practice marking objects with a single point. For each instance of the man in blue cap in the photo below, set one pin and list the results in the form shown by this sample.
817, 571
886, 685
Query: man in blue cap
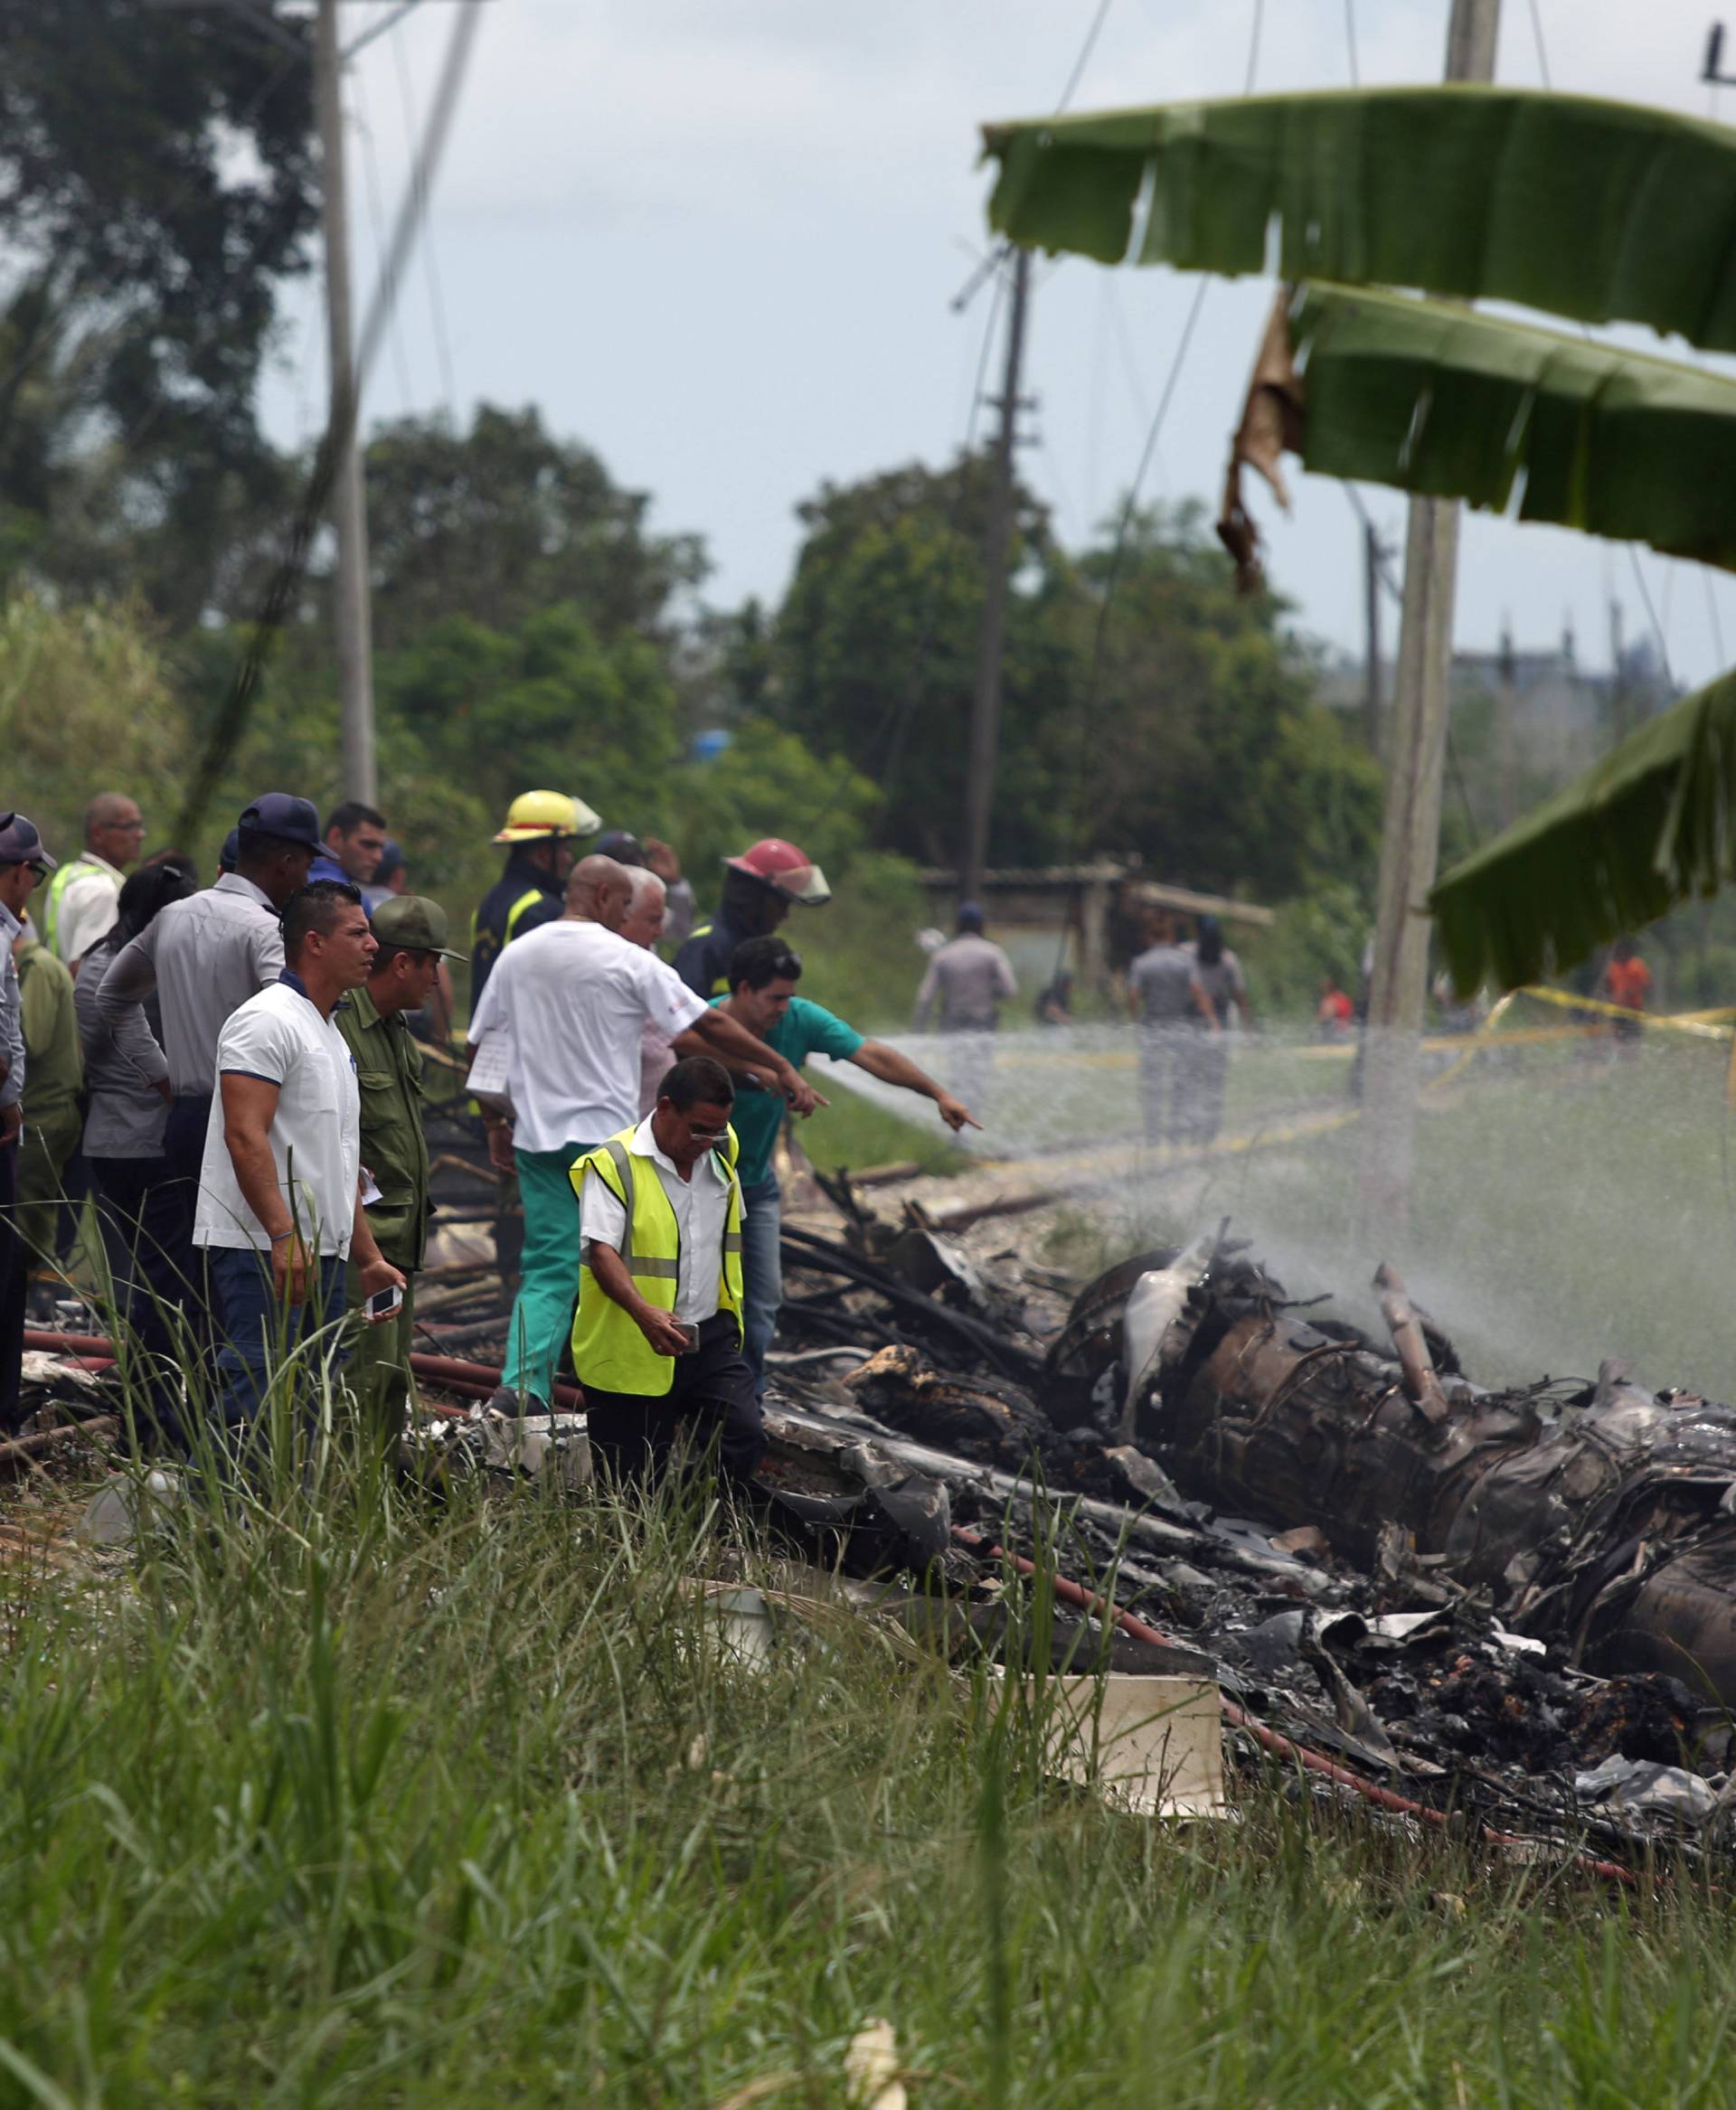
25, 862
969, 979
204, 957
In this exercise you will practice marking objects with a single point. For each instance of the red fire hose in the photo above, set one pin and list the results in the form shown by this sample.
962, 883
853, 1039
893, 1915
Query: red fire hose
1280, 1747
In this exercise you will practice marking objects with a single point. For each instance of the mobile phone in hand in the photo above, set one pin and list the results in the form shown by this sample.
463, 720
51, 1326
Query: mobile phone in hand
386, 1304
690, 1336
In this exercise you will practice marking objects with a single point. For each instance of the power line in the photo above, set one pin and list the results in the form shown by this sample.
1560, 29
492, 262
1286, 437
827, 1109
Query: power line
1537, 38
430, 265
1084, 58
376, 222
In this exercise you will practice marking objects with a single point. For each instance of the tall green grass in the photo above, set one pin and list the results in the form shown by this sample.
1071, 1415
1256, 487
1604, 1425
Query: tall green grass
333, 1794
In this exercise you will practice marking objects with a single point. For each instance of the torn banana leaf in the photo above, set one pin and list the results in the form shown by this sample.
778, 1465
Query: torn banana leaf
1603, 211
1651, 825
1432, 399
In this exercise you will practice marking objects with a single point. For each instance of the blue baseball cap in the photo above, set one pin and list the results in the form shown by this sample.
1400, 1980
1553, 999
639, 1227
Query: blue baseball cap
21, 843
283, 817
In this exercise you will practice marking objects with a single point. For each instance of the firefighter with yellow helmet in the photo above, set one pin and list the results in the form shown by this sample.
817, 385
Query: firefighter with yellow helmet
542, 829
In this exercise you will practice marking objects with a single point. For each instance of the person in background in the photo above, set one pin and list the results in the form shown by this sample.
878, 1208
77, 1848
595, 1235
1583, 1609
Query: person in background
1168, 1003
1334, 1014
643, 926
759, 888
356, 840
968, 979
82, 898
123, 1147
1206, 1058
571, 998
1627, 983
410, 934
204, 957
763, 999
280, 1188
391, 876
55, 1077
541, 833
24, 863
658, 1334
681, 910
1054, 1005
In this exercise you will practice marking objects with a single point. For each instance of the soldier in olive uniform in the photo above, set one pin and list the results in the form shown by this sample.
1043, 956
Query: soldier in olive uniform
412, 933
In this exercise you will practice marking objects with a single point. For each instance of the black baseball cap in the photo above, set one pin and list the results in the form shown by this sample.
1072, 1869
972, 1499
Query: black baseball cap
21, 843
283, 817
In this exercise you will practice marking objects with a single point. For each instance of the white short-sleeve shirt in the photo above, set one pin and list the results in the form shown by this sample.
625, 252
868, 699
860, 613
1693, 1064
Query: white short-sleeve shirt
280, 1036
575, 997
702, 1207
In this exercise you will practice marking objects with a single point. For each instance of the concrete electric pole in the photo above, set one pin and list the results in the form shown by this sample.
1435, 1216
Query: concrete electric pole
354, 620
1373, 555
986, 710
1411, 835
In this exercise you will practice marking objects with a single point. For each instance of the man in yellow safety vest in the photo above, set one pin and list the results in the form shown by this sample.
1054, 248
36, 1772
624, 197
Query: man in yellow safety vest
657, 1339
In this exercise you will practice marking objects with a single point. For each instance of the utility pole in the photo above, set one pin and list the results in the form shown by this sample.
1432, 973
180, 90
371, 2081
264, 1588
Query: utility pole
1372, 684
353, 619
1618, 712
1411, 834
986, 709
1507, 753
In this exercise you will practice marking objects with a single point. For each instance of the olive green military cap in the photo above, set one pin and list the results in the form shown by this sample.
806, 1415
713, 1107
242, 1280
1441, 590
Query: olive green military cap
414, 922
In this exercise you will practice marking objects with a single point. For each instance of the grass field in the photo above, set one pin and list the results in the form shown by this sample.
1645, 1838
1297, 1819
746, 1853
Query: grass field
354, 1804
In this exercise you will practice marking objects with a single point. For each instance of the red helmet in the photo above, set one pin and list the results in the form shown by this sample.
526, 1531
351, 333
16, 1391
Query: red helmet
785, 869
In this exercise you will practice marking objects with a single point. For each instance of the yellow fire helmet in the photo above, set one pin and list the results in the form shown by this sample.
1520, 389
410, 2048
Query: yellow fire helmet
536, 816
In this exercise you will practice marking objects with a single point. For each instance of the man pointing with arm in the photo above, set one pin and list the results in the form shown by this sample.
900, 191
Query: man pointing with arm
763, 973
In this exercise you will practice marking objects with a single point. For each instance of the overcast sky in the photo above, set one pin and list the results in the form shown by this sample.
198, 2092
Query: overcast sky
718, 240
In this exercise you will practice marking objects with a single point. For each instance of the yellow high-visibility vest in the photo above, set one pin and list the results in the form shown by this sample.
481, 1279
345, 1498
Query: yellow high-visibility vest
608, 1351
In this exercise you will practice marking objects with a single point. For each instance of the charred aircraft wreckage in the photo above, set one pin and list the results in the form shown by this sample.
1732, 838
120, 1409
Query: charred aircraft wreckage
1519, 1605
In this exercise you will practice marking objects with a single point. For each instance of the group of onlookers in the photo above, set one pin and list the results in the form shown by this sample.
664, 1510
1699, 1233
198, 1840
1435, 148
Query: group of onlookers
189, 1068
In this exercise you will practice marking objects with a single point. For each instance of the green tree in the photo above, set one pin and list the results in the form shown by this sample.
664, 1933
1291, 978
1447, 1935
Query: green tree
156, 180
505, 521
1198, 740
555, 702
876, 646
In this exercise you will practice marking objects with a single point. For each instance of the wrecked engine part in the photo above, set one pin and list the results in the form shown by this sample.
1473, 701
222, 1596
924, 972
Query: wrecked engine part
1596, 1517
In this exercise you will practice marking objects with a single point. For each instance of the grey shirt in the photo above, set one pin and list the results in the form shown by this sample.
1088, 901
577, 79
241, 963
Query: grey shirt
1222, 981
1163, 979
204, 956
971, 978
127, 1115
11, 1013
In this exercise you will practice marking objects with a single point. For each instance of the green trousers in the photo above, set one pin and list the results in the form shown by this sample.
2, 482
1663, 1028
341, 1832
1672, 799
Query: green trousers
42, 1159
548, 1269
378, 1366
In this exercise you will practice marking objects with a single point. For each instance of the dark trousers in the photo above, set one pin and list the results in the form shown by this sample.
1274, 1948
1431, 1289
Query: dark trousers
183, 1157
632, 1436
15, 1281
260, 1334
137, 1212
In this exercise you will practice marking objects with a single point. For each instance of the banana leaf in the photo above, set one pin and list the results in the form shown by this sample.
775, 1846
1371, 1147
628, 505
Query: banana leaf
1603, 211
1651, 825
1436, 400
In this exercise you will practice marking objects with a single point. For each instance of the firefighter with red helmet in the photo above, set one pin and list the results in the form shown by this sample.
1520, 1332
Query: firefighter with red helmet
758, 889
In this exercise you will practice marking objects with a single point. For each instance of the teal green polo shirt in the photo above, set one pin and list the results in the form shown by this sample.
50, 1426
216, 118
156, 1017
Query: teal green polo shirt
806, 1028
